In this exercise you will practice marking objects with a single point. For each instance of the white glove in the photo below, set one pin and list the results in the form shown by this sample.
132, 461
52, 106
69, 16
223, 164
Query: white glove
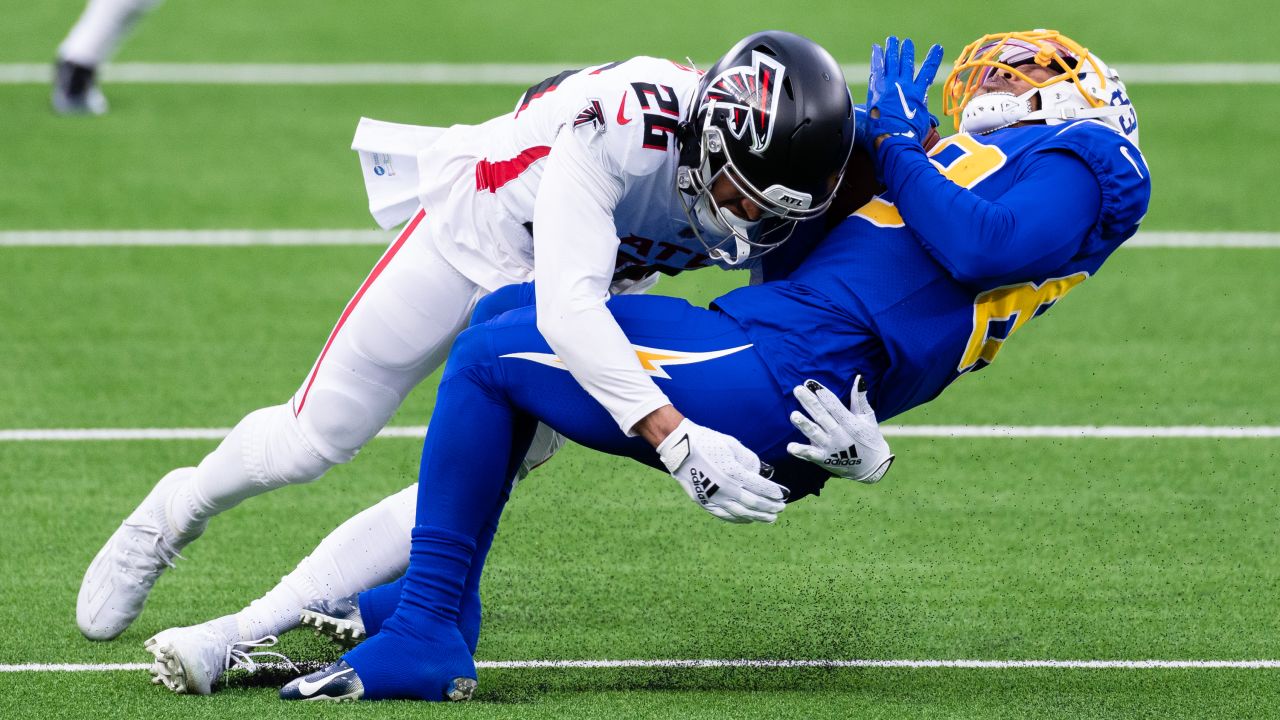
721, 474
846, 441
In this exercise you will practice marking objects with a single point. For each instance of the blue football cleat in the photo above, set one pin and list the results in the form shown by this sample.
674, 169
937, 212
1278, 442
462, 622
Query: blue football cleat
461, 689
337, 619
340, 683
336, 683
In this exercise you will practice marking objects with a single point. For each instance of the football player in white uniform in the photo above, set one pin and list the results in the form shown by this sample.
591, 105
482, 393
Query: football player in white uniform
92, 41
600, 175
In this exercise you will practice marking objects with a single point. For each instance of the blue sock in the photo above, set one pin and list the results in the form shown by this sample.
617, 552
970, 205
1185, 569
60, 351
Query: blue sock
477, 441
419, 650
469, 611
377, 604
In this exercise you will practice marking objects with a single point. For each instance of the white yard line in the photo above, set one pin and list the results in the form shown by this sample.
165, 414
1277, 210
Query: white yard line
1082, 431
212, 238
300, 237
913, 664
768, 664
526, 73
72, 667
1111, 432
1204, 240
158, 434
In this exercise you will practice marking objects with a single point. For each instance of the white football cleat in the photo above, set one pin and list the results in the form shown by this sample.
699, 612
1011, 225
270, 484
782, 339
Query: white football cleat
189, 660
121, 575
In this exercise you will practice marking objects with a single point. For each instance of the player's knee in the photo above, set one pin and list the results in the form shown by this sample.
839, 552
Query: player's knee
276, 452
336, 422
472, 352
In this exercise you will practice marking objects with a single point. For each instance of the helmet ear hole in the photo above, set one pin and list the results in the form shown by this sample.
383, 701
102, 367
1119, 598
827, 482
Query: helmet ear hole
802, 125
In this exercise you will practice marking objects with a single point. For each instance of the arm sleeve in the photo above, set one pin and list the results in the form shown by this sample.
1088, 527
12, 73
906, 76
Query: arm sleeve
1035, 226
575, 248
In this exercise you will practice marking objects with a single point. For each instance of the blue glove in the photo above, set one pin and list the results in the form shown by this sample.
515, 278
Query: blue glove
862, 128
897, 97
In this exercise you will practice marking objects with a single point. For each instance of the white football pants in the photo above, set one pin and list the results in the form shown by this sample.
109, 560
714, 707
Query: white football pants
394, 332
103, 24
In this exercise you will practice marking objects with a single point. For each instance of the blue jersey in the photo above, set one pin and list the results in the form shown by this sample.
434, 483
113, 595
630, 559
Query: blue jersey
913, 307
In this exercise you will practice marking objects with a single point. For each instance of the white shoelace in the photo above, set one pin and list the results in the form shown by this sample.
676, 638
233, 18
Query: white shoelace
243, 659
162, 549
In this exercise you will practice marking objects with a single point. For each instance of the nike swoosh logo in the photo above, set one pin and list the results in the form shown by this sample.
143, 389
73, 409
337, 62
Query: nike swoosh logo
307, 689
906, 109
623, 119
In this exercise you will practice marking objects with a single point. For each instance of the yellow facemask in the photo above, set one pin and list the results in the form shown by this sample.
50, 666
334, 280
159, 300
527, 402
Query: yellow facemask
1005, 52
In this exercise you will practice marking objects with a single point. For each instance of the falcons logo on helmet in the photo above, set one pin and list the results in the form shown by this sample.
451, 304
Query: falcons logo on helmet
747, 98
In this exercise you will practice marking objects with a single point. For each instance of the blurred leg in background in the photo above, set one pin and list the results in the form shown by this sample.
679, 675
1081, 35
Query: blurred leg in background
92, 41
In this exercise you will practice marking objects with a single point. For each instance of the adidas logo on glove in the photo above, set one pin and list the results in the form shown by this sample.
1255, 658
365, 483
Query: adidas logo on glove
844, 458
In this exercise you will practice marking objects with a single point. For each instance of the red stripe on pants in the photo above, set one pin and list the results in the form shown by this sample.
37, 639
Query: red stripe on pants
351, 306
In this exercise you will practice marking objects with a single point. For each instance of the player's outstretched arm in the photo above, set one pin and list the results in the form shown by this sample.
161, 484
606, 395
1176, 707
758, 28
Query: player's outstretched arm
1005, 239
846, 441
575, 246
1010, 238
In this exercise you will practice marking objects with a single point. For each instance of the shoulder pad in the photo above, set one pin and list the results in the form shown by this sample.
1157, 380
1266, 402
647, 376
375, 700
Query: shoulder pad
1121, 171
633, 109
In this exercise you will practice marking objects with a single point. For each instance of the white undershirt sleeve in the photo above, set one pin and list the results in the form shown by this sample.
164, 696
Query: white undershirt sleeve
575, 246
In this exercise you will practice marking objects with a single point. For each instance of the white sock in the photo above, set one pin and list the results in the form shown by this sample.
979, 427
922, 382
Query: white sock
188, 509
228, 625
96, 35
190, 506
367, 550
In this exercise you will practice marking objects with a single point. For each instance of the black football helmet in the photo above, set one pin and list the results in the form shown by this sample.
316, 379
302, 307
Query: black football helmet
774, 116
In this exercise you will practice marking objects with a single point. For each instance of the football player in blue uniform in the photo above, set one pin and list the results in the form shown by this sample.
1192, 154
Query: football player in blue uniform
922, 284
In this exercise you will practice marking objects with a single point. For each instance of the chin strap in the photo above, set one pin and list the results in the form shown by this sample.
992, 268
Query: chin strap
705, 216
1074, 113
996, 110
741, 253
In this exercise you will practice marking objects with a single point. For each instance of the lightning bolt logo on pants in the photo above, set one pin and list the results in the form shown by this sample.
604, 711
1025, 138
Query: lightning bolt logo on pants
652, 360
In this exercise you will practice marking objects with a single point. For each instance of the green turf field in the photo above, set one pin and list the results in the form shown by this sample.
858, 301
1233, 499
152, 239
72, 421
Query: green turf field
987, 549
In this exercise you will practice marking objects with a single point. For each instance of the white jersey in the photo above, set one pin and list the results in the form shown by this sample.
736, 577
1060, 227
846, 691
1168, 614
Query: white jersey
624, 116
581, 174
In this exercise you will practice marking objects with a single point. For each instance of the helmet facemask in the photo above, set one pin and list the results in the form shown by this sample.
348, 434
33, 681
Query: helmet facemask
771, 124
1082, 86
719, 228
